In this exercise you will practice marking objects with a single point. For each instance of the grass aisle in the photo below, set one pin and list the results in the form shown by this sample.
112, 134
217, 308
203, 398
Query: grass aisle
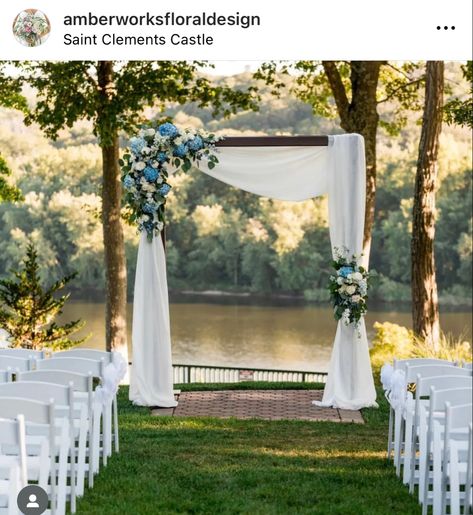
210, 466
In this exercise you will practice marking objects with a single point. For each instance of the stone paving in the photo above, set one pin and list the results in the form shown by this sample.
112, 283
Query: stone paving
261, 404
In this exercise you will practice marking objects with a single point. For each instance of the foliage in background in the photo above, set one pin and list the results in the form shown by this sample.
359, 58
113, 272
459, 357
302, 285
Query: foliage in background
219, 237
395, 341
28, 310
8, 193
460, 110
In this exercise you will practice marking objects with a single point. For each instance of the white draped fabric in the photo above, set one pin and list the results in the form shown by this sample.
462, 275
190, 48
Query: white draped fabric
285, 173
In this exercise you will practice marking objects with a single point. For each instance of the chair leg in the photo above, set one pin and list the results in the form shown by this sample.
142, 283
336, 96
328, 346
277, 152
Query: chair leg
115, 423
399, 445
407, 448
396, 436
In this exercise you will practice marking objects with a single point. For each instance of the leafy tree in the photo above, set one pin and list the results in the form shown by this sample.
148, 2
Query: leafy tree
354, 91
460, 111
11, 97
113, 95
28, 310
425, 310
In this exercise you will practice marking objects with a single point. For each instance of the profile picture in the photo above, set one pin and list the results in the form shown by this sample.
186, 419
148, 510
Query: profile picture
31, 27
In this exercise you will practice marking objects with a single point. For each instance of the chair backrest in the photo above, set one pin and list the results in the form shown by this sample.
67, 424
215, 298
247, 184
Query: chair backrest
443, 382
78, 365
80, 382
433, 370
16, 364
455, 396
23, 353
401, 364
5, 376
13, 434
457, 417
38, 391
94, 354
33, 411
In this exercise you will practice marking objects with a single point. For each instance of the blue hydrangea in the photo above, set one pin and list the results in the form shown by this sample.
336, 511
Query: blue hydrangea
149, 208
345, 271
195, 144
150, 173
162, 156
149, 227
128, 182
164, 190
180, 150
168, 129
137, 145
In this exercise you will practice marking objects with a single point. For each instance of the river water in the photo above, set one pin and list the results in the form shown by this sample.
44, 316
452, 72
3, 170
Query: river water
219, 331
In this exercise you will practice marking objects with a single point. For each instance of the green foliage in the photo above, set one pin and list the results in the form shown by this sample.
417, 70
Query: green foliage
460, 110
8, 193
395, 341
28, 310
69, 91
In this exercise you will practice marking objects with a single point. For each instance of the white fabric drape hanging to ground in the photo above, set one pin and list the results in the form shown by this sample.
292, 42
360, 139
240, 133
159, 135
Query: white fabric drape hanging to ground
285, 173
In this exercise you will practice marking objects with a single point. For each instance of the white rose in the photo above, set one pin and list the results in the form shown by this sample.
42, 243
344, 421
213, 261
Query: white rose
141, 133
340, 280
149, 132
351, 289
342, 289
140, 165
179, 140
356, 298
356, 276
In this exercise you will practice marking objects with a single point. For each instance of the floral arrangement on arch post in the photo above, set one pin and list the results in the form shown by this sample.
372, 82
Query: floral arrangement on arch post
146, 165
348, 288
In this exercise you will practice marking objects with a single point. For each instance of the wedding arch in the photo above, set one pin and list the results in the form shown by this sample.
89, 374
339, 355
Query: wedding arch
293, 168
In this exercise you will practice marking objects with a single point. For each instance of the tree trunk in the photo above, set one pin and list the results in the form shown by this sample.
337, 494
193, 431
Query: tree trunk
114, 245
360, 115
425, 312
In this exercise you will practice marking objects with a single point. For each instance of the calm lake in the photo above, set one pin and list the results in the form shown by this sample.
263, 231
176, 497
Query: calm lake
225, 331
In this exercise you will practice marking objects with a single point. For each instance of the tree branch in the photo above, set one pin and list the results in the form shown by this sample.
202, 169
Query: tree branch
338, 89
400, 88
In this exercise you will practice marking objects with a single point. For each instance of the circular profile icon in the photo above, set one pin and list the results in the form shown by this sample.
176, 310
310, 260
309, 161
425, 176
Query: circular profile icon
31, 27
32, 500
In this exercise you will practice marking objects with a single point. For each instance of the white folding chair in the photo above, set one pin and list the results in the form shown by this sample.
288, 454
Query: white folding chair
23, 353
108, 358
419, 421
85, 426
403, 434
5, 376
400, 365
16, 364
63, 398
12, 480
457, 474
41, 435
431, 455
457, 422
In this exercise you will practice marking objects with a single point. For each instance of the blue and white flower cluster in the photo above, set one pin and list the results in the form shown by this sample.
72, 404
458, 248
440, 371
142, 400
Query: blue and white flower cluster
348, 288
146, 165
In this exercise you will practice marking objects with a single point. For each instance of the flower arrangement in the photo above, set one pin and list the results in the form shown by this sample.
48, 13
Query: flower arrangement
145, 169
30, 26
348, 288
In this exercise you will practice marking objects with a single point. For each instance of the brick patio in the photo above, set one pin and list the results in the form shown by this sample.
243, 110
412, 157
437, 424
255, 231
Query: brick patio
262, 404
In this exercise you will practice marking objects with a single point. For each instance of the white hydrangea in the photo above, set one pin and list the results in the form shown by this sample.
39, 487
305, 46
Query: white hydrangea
346, 317
145, 150
351, 289
357, 276
140, 165
340, 280
179, 140
356, 299
150, 132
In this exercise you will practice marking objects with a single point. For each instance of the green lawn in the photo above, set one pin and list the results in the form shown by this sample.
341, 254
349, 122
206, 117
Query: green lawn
210, 466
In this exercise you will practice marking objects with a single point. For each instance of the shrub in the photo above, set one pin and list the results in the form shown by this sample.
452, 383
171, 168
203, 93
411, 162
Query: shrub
395, 341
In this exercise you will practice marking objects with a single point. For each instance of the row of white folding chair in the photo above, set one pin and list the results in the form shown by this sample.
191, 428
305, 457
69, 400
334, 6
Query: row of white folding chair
456, 466
107, 358
425, 402
19, 352
50, 440
85, 423
14, 477
404, 413
63, 398
96, 369
401, 364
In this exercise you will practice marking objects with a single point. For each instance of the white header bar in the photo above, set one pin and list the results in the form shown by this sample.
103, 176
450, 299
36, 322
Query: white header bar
245, 30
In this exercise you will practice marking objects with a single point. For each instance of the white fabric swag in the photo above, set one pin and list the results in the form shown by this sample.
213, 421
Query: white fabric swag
285, 173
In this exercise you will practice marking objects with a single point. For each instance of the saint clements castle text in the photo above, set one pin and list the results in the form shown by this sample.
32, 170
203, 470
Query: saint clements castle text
152, 40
